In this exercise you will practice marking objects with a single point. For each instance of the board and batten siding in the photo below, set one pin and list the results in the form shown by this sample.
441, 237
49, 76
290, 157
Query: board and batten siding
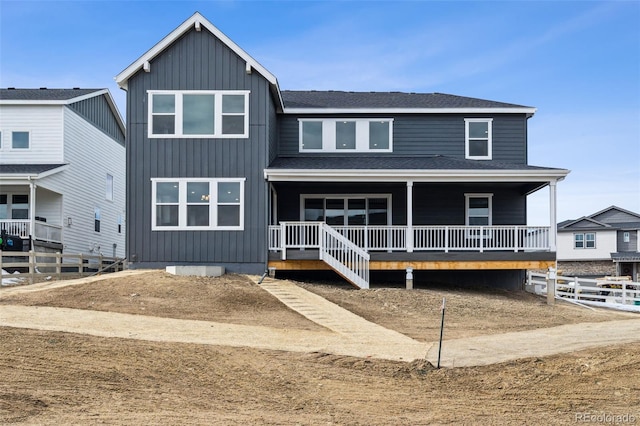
428, 135
91, 154
632, 245
198, 61
44, 124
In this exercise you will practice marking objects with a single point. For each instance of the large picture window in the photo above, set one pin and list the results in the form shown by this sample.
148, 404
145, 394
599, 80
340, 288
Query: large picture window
197, 204
344, 135
478, 138
338, 210
198, 114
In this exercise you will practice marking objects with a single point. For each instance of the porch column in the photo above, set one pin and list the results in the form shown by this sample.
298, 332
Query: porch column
409, 216
32, 211
553, 229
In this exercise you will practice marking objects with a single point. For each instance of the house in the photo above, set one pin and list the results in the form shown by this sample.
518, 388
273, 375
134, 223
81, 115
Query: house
604, 243
226, 168
62, 170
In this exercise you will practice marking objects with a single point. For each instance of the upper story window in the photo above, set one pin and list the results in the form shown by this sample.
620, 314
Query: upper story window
20, 140
197, 204
478, 138
586, 240
626, 237
199, 114
346, 135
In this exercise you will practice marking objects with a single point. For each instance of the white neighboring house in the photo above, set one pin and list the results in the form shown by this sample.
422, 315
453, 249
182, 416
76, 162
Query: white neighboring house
62, 170
604, 243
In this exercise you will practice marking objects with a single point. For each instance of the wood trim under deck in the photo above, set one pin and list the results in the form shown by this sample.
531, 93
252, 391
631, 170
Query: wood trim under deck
395, 265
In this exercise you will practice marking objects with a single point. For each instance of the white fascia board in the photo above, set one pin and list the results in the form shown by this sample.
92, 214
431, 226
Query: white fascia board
334, 111
32, 102
123, 77
356, 175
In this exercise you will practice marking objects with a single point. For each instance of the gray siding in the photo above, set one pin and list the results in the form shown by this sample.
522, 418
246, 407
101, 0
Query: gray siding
615, 216
430, 134
632, 245
433, 204
96, 111
198, 61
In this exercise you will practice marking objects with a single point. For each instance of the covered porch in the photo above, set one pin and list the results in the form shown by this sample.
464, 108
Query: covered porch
28, 209
424, 218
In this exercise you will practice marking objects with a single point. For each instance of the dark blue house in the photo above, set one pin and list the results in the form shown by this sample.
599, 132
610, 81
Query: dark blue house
225, 168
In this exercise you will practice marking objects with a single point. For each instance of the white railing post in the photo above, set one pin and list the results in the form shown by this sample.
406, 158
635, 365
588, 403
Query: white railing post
481, 239
283, 241
516, 239
446, 239
321, 241
624, 293
576, 286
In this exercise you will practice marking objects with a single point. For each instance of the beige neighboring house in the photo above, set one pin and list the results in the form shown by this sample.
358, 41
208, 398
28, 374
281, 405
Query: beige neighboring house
62, 170
604, 243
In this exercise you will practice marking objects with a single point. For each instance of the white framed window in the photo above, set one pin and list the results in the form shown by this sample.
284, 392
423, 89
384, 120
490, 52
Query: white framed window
584, 240
20, 140
345, 135
109, 188
478, 209
346, 209
199, 204
478, 139
626, 237
198, 114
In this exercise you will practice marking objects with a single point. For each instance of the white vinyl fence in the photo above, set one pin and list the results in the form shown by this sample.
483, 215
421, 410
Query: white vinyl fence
608, 292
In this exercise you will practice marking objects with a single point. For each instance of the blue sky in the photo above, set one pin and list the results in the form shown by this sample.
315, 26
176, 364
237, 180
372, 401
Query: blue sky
578, 62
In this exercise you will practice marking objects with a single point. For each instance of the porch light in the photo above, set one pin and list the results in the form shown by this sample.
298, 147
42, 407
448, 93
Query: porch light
69, 221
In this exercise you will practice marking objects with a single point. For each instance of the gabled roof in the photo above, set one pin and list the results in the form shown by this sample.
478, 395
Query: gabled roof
595, 224
590, 223
196, 21
436, 168
338, 101
45, 96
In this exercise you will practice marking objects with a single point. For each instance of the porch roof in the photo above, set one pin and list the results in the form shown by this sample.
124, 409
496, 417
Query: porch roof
626, 257
29, 171
396, 168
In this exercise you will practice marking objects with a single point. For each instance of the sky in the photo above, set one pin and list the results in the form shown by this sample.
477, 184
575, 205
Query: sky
577, 62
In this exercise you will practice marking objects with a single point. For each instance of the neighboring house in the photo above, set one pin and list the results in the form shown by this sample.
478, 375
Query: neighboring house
225, 168
604, 243
62, 170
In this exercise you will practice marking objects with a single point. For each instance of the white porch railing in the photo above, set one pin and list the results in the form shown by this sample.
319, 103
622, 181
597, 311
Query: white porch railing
344, 257
16, 227
43, 231
425, 238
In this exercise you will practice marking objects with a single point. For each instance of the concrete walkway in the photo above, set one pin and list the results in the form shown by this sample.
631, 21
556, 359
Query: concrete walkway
347, 333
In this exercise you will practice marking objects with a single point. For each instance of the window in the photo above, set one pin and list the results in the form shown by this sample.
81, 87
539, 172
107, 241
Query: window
109, 194
20, 140
586, 240
19, 207
3, 207
197, 204
119, 224
96, 219
338, 210
357, 135
478, 209
478, 138
199, 114
626, 237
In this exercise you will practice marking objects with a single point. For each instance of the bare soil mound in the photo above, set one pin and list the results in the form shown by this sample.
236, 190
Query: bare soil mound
61, 378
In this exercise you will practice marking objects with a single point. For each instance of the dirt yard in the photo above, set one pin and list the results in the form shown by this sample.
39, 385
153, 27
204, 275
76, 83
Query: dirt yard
63, 378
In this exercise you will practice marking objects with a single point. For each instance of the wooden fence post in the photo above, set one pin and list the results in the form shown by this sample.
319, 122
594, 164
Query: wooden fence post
32, 266
59, 265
